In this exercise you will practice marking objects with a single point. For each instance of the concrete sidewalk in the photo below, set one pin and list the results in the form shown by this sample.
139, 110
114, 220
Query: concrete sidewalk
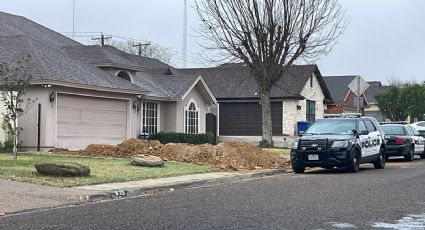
20, 196
17, 196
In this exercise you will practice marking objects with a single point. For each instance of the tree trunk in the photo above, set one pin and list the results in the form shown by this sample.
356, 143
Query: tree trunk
15, 140
267, 139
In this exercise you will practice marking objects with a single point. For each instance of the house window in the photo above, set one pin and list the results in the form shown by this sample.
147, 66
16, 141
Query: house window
191, 119
150, 117
124, 75
311, 111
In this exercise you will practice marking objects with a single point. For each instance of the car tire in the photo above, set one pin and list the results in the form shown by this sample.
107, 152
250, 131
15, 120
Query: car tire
423, 155
411, 155
380, 162
329, 167
354, 164
298, 167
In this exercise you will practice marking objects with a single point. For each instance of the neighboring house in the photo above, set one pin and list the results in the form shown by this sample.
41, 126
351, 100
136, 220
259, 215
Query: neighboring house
300, 95
343, 97
372, 109
92, 94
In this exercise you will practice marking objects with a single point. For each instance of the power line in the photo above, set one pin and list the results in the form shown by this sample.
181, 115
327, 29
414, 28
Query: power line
139, 46
102, 39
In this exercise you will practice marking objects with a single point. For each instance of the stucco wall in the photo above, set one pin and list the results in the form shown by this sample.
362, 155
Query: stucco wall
195, 95
168, 116
48, 132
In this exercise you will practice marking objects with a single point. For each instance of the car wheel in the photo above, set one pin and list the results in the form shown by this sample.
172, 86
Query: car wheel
329, 167
354, 164
380, 162
411, 155
298, 167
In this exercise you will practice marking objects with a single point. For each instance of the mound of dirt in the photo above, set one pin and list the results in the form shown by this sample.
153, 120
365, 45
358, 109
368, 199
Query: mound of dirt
225, 156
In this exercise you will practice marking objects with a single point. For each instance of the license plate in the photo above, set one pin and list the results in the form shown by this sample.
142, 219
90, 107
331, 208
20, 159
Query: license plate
313, 157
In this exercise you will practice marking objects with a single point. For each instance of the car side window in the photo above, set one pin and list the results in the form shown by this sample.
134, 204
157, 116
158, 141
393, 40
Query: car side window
413, 131
409, 132
362, 126
370, 127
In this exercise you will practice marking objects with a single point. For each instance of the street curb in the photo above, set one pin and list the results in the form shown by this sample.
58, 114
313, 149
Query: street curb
121, 193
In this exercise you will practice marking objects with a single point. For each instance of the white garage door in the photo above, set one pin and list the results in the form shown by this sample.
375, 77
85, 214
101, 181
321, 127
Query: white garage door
90, 120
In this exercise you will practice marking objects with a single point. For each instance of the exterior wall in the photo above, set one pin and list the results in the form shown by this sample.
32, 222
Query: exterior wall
374, 111
312, 93
168, 114
347, 106
202, 104
28, 122
290, 116
2, 131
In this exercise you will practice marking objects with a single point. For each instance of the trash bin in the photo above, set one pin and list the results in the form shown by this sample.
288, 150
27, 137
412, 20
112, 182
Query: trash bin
302, 126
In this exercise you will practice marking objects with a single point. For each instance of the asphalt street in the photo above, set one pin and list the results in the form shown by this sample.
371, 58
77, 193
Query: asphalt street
393, 198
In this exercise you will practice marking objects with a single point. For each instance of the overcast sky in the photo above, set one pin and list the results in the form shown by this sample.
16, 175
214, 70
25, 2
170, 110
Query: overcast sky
385, 38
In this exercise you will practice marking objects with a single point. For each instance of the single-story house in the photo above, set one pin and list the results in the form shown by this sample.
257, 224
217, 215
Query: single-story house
372, 109
343, 97
93, 94
300, 95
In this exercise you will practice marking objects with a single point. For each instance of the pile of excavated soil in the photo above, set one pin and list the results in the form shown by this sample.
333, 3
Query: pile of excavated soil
225, 156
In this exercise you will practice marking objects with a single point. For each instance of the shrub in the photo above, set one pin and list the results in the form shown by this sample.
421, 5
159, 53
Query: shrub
196, 139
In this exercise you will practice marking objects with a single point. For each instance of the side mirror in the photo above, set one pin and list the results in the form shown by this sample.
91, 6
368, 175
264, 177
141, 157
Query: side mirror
364, 132
355, 132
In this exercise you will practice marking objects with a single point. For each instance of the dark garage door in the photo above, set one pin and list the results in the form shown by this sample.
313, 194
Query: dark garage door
244, 119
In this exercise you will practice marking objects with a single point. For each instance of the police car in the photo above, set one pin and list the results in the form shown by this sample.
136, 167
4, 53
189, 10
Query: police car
345, 140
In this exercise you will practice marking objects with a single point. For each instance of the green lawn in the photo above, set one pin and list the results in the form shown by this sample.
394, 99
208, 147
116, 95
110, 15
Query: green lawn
103, 170
277, 151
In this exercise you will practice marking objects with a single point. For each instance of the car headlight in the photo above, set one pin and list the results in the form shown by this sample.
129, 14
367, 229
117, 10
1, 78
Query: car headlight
294, 145
340, 144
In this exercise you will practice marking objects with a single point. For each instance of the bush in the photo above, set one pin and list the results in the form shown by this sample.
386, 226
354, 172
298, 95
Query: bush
196, 139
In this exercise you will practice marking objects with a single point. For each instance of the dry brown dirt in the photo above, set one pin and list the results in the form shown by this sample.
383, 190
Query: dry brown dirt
225, 156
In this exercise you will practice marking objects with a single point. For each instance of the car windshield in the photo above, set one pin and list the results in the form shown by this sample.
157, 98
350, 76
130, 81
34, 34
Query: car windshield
393, 130
332, 127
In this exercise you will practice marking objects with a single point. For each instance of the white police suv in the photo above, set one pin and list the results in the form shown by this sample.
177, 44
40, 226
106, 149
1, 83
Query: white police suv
345, 140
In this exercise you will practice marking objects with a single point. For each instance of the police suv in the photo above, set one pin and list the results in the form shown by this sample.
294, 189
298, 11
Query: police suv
345, 140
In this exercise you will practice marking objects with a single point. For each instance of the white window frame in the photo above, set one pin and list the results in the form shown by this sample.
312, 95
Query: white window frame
158, 116
198, 112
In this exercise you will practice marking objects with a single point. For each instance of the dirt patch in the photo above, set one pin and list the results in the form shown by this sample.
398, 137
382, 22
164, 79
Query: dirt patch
225, 156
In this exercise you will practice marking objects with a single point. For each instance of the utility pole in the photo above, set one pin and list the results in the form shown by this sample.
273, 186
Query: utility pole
73, 19
102, 39
139, 46
184, 48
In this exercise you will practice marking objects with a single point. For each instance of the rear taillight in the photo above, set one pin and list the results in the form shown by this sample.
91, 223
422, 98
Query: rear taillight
399, 141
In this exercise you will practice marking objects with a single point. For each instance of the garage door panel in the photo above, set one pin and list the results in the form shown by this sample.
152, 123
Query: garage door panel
244, 119
86, 120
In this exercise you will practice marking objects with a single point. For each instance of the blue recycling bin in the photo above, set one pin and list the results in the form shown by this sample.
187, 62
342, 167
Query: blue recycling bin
302, 126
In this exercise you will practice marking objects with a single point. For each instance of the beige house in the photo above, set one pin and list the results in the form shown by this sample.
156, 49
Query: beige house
96, 94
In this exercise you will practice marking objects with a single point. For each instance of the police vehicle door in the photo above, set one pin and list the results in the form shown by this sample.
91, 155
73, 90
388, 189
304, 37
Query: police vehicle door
374, 138
364, 139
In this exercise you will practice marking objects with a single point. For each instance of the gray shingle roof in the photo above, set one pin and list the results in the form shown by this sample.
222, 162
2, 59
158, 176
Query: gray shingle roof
338, 86
52, 64
375, 88
236, 81
165, 86
11, 25
111, 56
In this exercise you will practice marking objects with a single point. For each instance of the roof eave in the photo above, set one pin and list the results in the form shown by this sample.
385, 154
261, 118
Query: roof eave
88, 87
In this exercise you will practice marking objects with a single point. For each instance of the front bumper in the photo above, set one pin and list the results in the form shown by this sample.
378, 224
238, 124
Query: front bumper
331, 157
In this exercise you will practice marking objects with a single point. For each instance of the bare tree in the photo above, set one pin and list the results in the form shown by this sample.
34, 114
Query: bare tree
15, 80
269, 36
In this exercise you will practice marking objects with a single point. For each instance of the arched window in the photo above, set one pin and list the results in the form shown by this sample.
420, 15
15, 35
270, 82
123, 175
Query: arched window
124, 75
191, 115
